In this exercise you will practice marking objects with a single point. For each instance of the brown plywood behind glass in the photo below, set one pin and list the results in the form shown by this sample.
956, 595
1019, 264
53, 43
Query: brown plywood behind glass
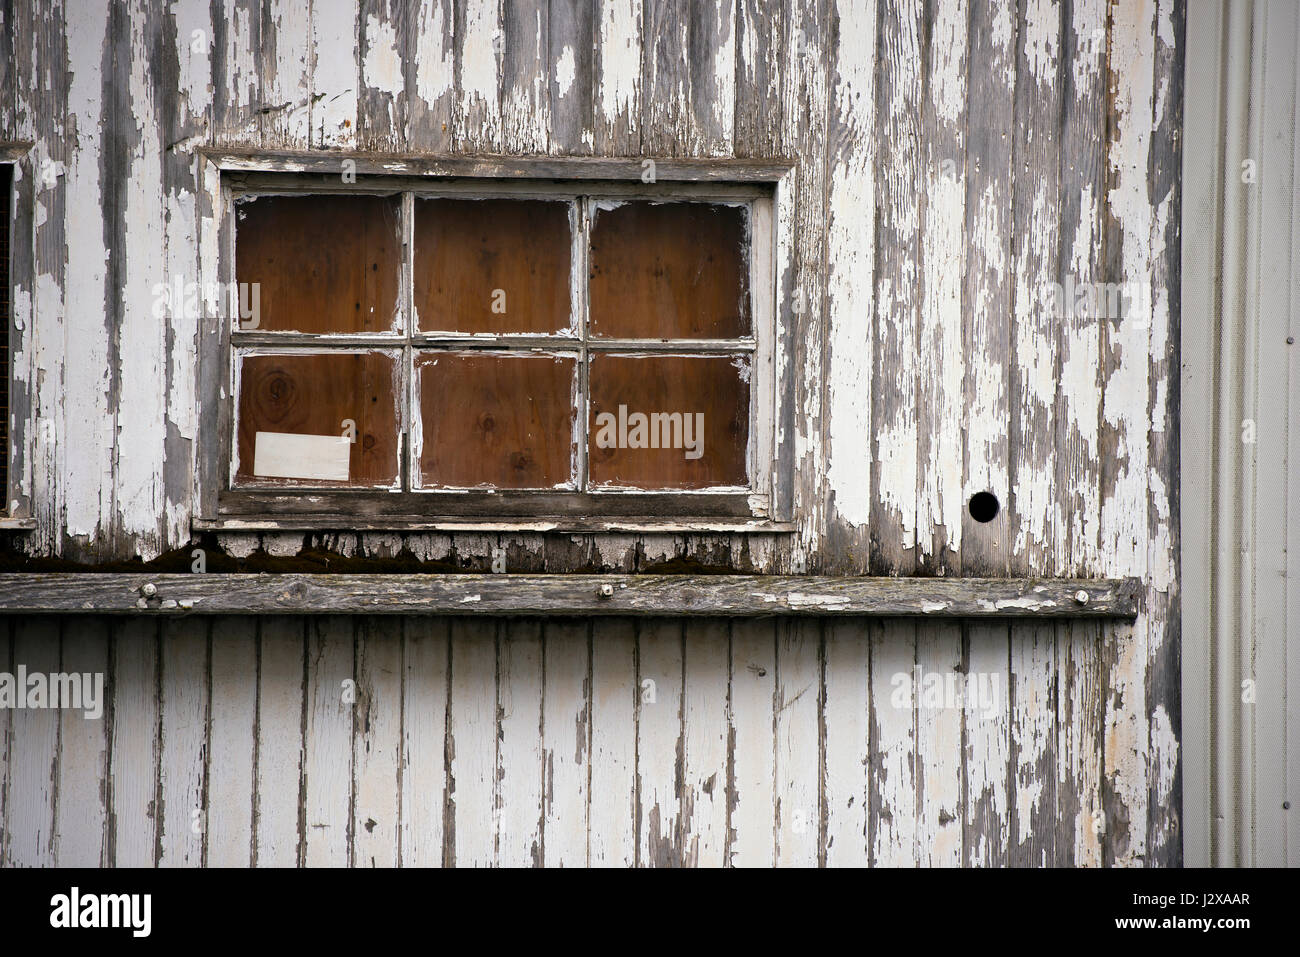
707, 395
324, 264
492, 265
312, 394
504, 421
669, 271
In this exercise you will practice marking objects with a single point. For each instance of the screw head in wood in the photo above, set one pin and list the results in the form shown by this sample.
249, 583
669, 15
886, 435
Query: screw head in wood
148, 589
607, 590
1081, 597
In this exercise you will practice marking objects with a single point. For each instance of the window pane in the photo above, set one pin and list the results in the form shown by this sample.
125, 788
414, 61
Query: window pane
492, 265
282, 397
669, 271
322, 264
504, 421
665, 422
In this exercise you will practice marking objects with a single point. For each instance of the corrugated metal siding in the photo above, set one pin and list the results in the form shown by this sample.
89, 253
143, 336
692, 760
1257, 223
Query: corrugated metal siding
952, 158
1241, 380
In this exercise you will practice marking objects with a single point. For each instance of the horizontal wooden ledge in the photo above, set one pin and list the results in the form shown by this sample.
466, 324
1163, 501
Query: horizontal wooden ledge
421, 523
644, 595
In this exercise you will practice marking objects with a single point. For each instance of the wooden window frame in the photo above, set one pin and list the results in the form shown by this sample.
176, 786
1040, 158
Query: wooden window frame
765, 188
19, 273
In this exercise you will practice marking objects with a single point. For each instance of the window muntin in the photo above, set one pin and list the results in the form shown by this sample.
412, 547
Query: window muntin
554, 453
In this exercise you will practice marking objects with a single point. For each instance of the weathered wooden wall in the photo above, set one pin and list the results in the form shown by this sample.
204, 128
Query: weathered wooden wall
952, 158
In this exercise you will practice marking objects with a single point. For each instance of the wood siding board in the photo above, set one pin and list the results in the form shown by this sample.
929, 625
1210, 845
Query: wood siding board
893, 793
383, 43
431, 76
6, 723
894, 466
798, 744
667, 127
940, 356
571, 75
712, 55
285, 73
850, 299
472, 731
660, 742
1080, 824
938, 759
751, 799
1034, 739
133, 771
519, 765
377, 744
612, 785
184, 743
525, 73
1126, 377
281, 720
237, 81
30, 813
986, 742
760, 59
704, 708
1164, 677
986, 295
846, 702
80, 822
328, 759
617, 77
566, 742
424, 736
233, 745
479, 63
335, 73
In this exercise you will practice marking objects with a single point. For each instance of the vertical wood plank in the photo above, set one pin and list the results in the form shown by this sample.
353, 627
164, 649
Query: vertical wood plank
713, 75
334, 73
617, 83
478, 71
1077, 416
183, 731
571, 76
894, 469
286, 73
6, 739
1125, 423
236, 77
939, 755
704, 717
88, 420
33, 754
377, 743
666, 80
281, 725
1164, 679
424, 740
472, 815
328, 748
1034, 514
431, 77
232, 745
659, 742
940, 400
986, 293
851, 254
133, 766
799, 818
751, 791
381, 100
892, 827
519, 752
80, 824
525, 77
566, 742
987, 748
760, 59
615, 693
846, 702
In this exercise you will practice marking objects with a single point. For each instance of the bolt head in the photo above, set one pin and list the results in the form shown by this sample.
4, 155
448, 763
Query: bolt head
607, 590
149, 589
1081, 597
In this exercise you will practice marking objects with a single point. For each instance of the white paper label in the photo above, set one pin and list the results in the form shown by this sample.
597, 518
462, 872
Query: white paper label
288, 455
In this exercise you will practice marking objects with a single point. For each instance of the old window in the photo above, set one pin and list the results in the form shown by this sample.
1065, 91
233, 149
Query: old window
408, 352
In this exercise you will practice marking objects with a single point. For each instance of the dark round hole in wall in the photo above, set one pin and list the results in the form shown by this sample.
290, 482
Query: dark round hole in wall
983, 507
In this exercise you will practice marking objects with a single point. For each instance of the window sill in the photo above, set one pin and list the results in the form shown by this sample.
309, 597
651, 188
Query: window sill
746, 596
